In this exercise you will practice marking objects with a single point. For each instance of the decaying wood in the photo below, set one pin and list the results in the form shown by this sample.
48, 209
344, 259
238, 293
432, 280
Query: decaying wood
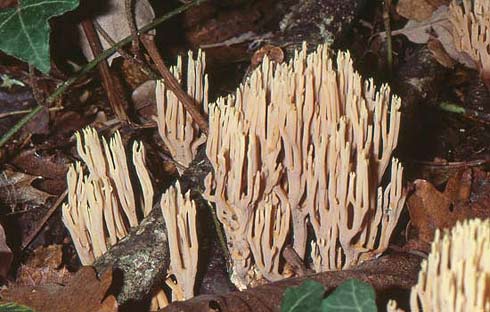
314, 21
141, 259
391, 276
418, 83
419, 80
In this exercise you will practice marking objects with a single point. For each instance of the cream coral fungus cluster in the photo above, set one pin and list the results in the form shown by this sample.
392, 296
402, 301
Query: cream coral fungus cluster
456, 275
307, 141
471, 32
102, 204
176, 128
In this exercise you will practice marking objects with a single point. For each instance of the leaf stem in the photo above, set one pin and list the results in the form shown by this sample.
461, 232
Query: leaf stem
91, 65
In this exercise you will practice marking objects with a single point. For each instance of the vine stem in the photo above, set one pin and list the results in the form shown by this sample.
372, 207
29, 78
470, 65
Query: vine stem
389, 42
91, 65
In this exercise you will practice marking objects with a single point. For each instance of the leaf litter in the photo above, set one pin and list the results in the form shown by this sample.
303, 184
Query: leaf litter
430, 205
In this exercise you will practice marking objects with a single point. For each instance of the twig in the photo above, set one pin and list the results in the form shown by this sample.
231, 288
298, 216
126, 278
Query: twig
26, 111
91, 65
109, 82
174, 86
389, 44
135, 61
455, 164
27, 241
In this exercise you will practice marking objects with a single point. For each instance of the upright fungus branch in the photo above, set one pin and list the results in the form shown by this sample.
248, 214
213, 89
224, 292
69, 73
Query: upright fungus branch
471, 32
176, 127
267, 236
179, 213
310, 140
456, 275
102, 204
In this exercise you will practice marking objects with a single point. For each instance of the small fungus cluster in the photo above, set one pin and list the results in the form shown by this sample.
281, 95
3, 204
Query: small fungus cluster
103, 205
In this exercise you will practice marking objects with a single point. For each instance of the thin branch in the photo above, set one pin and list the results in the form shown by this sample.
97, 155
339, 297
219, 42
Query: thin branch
109, 81
27, 241
189, 103
91, 65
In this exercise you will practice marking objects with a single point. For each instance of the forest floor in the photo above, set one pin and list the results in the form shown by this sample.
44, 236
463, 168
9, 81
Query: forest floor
444, 140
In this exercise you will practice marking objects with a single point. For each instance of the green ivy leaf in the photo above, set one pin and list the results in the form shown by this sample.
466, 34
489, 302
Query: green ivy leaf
351, 296
24, 30
305, 298
14, 307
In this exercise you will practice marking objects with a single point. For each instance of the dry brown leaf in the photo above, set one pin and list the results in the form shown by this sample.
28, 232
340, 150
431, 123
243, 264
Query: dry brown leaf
418, 10
420, 32
113, 20
84, 292
50, 256
16, 188
437, 50
144, 99
37, 276
273, 53
30, 161
52, 167
387, 273
466, 195
439, 27
5, 254
43, 267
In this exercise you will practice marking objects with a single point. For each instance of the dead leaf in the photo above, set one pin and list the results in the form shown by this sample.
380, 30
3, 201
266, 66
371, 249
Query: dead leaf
16, 188
43, 267
50, 256
113, 20
439, 27
466, 195
144, 99
52, 167
34, 163
396, 271
274, 54
84, 292
418, 10
437, 50
4, 4
38, 276
5, 254
420, 32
